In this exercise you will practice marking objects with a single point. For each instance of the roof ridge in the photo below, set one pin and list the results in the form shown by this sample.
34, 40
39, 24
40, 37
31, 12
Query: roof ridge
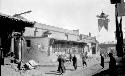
57, 28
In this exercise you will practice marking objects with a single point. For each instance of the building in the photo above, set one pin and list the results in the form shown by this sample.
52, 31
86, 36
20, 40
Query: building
92, 45
11, 31
106, 48
49, 41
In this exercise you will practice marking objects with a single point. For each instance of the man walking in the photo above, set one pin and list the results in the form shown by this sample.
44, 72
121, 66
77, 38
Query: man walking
61, 67
112, 65
84, 61
74, 59
102, 61
70, 57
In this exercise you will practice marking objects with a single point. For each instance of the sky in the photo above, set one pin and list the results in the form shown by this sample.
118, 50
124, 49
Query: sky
67, 14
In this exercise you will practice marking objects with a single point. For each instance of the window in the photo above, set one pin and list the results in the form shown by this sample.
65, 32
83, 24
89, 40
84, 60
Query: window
47, 34
93, 50
28, 43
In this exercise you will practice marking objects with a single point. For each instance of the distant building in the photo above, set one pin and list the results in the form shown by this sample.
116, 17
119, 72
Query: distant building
106, 48
40, 30
41, 42
49, 40
92, 44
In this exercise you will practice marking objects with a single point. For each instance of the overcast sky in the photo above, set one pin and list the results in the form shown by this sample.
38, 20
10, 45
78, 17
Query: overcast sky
67, 14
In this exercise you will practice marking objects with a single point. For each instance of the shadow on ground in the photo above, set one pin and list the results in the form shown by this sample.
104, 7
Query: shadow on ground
102, 73
57, 73
54, 72
70, 69
47, 65
108, 73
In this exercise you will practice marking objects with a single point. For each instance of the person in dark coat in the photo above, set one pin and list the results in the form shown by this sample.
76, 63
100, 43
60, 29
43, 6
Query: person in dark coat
70, 57
19, 65
61, 67
112, 65
85, 55
74, 59
102, 61
84, 61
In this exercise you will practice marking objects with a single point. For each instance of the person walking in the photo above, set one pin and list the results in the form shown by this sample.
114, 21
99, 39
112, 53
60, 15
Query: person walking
74, 59
19, 65
112, 65
70, 57
85, 54
102, 61
61, 67
84, 61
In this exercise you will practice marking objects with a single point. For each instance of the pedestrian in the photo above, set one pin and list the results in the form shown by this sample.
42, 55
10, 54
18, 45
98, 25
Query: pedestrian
70, 57
112, 65
61, 67
85, 54
102, 61
19, 65
59, 60
74, 59
84, 61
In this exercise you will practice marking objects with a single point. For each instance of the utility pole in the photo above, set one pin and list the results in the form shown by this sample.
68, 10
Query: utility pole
119, 33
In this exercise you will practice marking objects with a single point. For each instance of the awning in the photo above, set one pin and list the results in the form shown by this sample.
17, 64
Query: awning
57, 41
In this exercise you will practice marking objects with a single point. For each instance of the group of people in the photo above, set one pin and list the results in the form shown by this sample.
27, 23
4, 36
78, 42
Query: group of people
112, 64
61, 61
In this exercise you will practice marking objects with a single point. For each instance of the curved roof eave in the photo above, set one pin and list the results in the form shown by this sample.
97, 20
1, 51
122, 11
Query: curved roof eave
17, 19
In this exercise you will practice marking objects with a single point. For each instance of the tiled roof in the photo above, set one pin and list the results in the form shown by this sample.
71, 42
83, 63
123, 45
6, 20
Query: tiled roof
9, 23
14, 18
